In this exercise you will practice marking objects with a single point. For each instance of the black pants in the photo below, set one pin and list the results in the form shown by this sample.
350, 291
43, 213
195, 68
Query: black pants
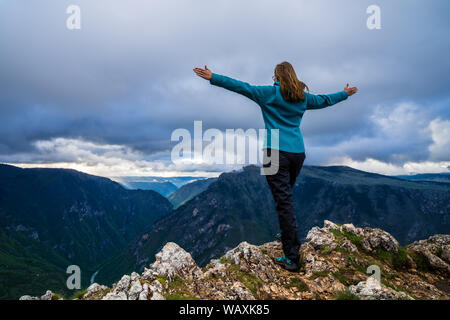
281, 184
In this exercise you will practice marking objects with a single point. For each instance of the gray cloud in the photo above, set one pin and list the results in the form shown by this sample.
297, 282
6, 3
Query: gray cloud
126, 77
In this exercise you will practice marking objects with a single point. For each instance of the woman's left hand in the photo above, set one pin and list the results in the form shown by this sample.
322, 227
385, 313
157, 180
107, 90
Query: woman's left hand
203, 73
350, 90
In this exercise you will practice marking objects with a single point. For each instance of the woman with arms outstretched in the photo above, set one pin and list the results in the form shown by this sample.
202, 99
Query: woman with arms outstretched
283, 105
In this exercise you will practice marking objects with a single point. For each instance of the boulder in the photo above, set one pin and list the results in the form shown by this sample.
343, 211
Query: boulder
144, 293
241, 291
156, 290
371, 289
123, 284
135, 290
374, 238
320, 238
93, 289
115, 296
172, 260
47, 296
27, 297
436, 250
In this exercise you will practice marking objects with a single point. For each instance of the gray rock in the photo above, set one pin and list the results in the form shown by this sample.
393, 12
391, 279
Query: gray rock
135, 290
47, 296
93, 289
123, 284
149, 274
157, 296
27, 297
134, 276
320, 238
436, 250
172, 260
144, 293
350, 228
371, 289
156, 290
242, 292
330, 225
115, 296
375, 238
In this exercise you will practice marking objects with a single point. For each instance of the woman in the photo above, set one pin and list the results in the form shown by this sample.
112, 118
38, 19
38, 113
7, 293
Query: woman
282, 106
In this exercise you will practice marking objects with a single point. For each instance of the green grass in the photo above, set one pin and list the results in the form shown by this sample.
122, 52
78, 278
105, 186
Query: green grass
176, 296
340, 275
56, 296
177, 284
345, 295
328, 250
225, 260
352, 262
251, 281
78, 294
398, 261
420, 260
297, 283
162, 280
320, 274
178, 290
205, 268
355, 239
397, 288
336, 233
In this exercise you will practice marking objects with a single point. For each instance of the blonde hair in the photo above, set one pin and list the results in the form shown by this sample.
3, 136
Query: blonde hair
292, 89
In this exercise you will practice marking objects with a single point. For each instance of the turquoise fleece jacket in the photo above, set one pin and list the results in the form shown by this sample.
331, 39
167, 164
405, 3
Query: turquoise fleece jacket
277, 112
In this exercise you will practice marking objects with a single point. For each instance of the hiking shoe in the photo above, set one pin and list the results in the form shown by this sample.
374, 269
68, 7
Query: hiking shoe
286, 264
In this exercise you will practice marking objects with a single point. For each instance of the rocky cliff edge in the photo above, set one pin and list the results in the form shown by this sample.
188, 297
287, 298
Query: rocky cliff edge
338, 262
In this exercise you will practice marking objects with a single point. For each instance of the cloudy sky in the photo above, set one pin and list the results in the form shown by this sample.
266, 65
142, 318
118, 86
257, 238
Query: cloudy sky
105, 99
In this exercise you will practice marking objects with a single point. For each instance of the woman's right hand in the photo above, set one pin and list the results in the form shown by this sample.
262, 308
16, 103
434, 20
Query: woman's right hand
203, 73
350, 90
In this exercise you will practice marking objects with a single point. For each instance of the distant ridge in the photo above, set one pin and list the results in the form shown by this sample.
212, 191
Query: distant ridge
437, 177
188, 191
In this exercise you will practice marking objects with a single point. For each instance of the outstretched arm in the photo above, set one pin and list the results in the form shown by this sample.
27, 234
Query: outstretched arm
314, 102
254, 93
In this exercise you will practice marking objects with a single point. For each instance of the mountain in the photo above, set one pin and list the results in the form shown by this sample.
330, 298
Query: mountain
438, 177
188, 191
337, 263
239, 207
53, 218
163, 185
164, 188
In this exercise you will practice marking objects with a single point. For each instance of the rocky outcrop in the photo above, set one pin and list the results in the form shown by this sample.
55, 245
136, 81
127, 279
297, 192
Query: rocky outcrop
436, 251
371, 289
338, 262
173, 261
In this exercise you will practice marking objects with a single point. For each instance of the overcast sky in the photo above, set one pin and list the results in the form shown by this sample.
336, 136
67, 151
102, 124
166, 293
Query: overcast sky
105, 99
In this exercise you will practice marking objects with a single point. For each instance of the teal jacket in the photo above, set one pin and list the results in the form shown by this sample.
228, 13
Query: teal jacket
279, 113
